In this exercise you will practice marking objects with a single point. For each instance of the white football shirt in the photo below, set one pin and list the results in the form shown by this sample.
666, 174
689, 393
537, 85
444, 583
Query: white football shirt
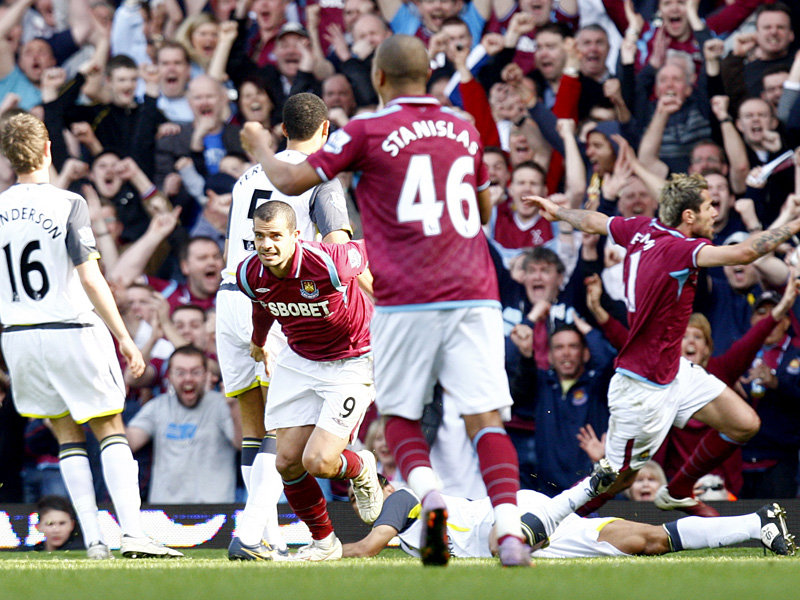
45, 233
322, 208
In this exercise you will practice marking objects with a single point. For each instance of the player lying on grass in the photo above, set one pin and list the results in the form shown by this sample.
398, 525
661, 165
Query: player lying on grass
553, 530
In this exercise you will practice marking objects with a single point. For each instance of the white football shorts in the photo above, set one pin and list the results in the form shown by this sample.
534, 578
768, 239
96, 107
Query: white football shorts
642, 413
57, 371
576, 537
333, 395
234, 328
461, 348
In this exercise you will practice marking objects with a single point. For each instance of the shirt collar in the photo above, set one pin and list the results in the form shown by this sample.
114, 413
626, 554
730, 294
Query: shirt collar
413, 100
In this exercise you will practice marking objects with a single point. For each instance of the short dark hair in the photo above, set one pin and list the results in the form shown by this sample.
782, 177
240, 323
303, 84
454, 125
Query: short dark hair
188, 350
594, 27
773, 69
713, 171
302, 115
190, 307
567, 327
276, 209
54, 502
530, 164
540, 254
707, 142
183, 251
558, 28
120, 61
455, 20
173, 45
774, 7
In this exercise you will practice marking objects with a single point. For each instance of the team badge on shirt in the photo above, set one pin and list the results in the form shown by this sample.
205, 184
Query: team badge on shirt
794, 367
354, 256
86, 236
579, 398
337, 141
308, 289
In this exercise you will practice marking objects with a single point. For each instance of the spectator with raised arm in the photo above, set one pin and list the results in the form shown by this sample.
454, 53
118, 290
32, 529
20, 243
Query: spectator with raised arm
773, 385
195, 435
12, 78
732, 142
678, 27
425, 18
520, 36
569, 394
754, 53
678, 118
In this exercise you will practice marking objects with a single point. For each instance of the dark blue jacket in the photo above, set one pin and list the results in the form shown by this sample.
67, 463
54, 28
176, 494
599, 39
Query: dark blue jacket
560, 415
779, 410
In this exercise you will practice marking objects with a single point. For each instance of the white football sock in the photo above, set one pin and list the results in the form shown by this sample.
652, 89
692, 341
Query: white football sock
423, 480
246, 470
260, 515
507, 520
567, 502
121, 473
250, 448
77, 475
714, 532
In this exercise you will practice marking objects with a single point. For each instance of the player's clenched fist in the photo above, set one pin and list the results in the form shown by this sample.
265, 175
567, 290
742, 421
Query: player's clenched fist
254, 137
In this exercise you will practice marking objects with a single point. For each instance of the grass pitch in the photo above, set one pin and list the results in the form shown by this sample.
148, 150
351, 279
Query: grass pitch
725, 573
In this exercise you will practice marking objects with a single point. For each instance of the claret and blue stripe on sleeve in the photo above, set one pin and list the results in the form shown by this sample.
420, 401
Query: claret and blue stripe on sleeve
242, 276
333, 273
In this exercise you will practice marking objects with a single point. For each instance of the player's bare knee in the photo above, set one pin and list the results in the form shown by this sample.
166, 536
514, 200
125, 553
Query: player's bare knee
289, 467
319, 463
745, 429
755, 425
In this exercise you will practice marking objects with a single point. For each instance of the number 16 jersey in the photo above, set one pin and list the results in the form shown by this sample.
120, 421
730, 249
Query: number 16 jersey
44, 233
420, 168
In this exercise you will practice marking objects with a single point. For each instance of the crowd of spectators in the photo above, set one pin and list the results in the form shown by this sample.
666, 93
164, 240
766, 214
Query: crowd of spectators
591, 102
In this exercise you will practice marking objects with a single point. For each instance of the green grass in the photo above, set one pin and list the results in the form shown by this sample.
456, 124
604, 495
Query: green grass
729, 573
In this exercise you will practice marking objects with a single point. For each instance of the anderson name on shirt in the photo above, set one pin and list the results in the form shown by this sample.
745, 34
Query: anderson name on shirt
33, 215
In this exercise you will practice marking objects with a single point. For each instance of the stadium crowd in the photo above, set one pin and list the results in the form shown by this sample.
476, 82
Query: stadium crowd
591, 103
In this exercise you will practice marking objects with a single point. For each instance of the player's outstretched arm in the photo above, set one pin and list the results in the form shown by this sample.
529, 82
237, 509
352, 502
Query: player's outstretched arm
588, 221
745, 252
100, 294
290, 179
372, 544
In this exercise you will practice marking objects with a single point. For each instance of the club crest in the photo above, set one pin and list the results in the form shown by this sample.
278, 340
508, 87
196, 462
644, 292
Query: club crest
308, 289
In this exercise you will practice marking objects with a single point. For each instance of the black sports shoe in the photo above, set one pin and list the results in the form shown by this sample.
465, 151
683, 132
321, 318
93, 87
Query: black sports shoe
434, 549
603, 477
774, 534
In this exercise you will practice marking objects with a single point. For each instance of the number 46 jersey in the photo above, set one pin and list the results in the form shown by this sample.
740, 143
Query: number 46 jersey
421, 167
323, 207
44, 233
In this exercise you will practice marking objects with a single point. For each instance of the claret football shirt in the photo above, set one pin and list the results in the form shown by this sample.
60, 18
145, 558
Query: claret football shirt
421, 166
